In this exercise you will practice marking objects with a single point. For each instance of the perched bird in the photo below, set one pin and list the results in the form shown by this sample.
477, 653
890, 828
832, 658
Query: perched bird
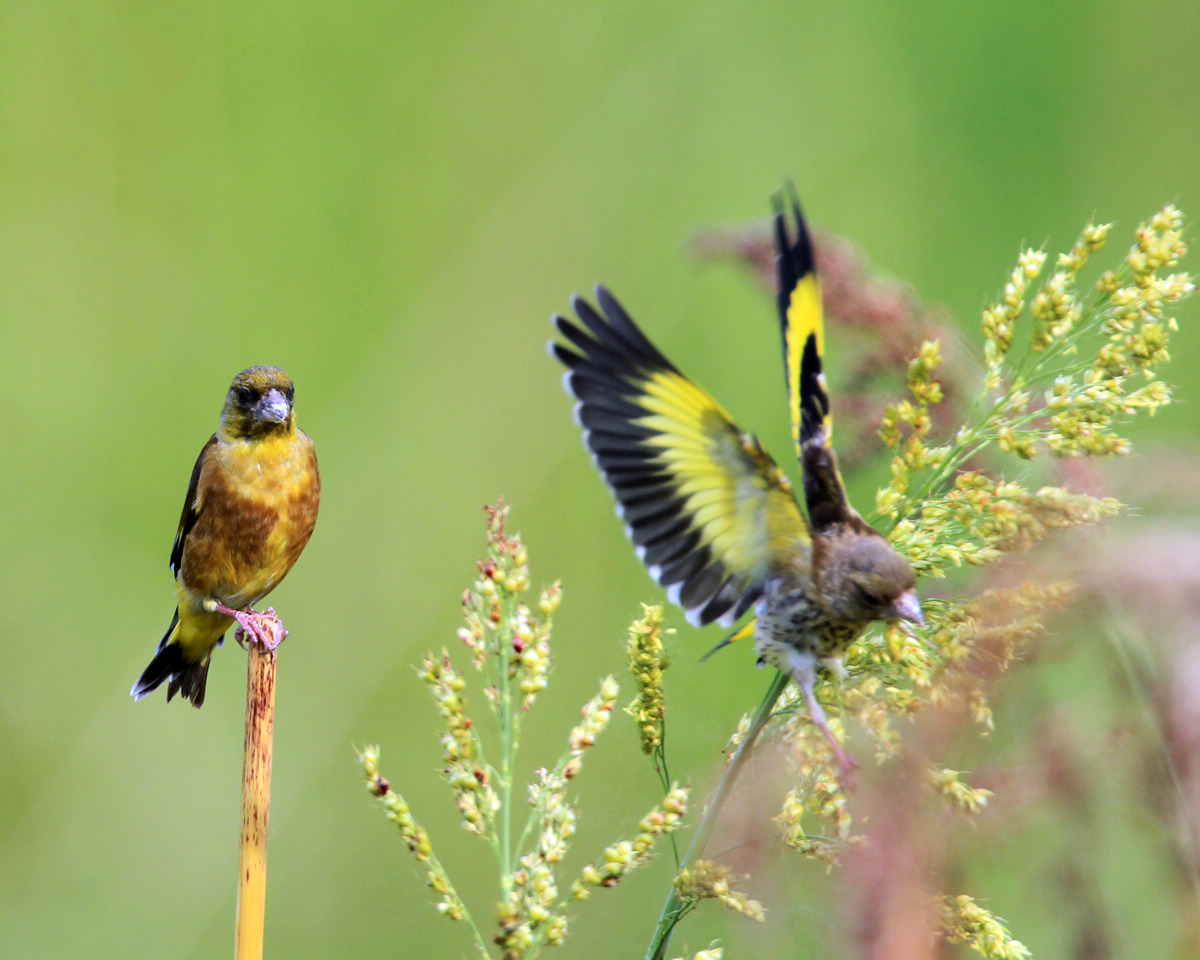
250, 508
709, 512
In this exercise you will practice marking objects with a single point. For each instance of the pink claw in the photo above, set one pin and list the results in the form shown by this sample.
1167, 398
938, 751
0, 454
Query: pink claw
846, 766
265, 629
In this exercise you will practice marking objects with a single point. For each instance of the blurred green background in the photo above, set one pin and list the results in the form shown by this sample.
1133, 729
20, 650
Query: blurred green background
389, 200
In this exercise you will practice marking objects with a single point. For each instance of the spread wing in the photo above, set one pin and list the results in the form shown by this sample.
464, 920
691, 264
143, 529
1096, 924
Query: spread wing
802, 322
708, 511
191, 507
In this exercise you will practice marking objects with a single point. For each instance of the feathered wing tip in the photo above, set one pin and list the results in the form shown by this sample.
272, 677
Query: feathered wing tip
187, 679
802, 323
802, 320
694, 493
746, 630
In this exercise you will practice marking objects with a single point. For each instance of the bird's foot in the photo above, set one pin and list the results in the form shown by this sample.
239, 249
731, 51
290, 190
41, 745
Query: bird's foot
265, 628
802, 665
846, 765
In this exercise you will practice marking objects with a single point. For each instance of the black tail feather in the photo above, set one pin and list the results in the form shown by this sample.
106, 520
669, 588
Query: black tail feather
186, 679
190, 684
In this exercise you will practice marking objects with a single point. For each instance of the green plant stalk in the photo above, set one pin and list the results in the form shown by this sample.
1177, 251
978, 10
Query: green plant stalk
664, 776
676, 907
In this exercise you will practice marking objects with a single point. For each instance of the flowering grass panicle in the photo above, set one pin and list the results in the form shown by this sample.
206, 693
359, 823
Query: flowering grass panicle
626, 855
1088, 364
709, 880
596, 714
413, 835
510, 649
647, 661
824, 802
965, 921
946, 783
467, 776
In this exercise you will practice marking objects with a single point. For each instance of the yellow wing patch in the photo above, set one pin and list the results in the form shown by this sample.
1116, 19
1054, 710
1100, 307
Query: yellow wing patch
804, 335
733, 492
802, 322
708, 511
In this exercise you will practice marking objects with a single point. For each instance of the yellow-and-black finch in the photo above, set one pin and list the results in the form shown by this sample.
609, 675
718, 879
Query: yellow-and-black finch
251, 506
709, 512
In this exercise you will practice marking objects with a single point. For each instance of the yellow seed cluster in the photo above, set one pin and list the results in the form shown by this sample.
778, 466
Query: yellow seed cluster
709, 880
1092, 239
965, 921
1066, 395
1055, 310
982, 517
647, 661
946, 783
827, 847
529, 912
828, 802
622, 857
548, 793
412, 833
913, 454
920, 373
596, 714
468, 778
500, 629
532, 912
531, 647
999, 320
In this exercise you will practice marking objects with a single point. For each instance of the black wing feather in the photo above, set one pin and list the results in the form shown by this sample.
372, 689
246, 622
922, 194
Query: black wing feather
707, 510
191, 509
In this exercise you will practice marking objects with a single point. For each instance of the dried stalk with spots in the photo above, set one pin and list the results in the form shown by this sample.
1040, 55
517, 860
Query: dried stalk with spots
256, 794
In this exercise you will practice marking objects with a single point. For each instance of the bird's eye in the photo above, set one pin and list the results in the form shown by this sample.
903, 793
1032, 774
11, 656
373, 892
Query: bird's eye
245, 395
869, 597
290, 393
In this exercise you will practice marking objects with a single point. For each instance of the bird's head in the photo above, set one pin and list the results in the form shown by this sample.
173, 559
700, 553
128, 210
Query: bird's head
259, 402
864, 579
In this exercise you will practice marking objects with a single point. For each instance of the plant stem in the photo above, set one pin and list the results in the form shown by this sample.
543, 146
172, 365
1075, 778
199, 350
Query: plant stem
256, 803
664, 776
508, 747
676, 907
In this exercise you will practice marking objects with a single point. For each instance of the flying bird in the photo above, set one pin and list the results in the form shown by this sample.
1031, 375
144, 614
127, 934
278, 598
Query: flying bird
250, 508
709, 512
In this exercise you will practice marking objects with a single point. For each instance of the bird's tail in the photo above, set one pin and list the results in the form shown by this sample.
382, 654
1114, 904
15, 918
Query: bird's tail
186, 679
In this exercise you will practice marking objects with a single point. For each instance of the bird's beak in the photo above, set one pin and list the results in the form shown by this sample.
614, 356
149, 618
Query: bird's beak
908, 607
273, 407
